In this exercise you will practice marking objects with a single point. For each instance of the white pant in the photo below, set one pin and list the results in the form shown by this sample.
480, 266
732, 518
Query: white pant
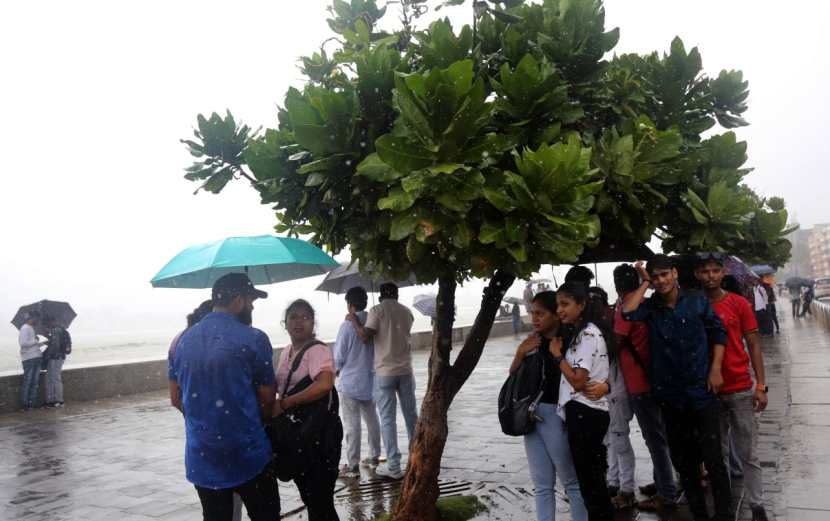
54, 384
352, 410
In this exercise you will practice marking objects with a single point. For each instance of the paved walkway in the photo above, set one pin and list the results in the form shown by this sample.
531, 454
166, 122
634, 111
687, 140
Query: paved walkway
123, 459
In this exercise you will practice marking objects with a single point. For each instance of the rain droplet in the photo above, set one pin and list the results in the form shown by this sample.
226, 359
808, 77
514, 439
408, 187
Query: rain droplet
220, 403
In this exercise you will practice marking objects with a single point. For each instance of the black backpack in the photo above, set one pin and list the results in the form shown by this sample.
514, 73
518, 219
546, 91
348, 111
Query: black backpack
520, 395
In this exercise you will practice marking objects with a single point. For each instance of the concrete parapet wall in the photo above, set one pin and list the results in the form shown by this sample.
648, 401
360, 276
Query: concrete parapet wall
822, 312
95, 382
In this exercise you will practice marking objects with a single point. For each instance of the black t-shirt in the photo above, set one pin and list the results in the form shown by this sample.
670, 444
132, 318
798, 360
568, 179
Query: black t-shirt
552, 374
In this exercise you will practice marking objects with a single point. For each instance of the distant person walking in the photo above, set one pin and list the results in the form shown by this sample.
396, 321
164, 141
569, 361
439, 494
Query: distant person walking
31, 357
516, 316
222, 379
808, 301
389, 325
772, 310
795, 301
527, 296
59, 346
354, 361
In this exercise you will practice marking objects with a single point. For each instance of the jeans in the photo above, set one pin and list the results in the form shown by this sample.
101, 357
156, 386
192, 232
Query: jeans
28, 388
621, 461
694, 436
260, 496
549, 454
738, 416
54, 384
796, 306
352, 410
388, 389
586, 428
650, 419
773, 313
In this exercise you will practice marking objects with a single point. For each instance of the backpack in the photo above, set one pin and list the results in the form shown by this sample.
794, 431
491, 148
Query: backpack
520, 395
66, 341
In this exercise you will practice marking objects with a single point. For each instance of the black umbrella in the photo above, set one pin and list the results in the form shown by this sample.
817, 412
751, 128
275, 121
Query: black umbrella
345, 277
798, 282
61, 312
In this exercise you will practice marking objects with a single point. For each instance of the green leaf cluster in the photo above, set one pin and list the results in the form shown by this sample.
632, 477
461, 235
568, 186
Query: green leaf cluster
519, 142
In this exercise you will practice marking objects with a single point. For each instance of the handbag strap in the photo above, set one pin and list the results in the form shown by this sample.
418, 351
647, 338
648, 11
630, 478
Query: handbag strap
296, 364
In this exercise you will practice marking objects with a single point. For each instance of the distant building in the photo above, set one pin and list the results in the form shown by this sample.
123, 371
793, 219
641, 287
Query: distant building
819, 245
800, 264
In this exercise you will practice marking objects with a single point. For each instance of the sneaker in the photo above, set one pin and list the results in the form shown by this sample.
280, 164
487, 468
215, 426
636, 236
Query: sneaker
57, 405
623, 500
649, 490
385, 472
657, 504
349, 472
758, 513
373, 462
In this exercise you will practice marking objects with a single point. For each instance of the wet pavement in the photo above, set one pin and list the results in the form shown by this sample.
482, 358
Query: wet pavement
123, 458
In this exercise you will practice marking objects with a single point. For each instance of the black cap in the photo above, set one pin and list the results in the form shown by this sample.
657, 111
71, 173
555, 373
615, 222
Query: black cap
234, 284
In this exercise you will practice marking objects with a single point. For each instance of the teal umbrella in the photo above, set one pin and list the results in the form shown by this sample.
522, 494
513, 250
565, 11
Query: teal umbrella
266, 259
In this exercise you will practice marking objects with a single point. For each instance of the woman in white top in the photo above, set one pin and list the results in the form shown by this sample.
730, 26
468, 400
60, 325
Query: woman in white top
584, 359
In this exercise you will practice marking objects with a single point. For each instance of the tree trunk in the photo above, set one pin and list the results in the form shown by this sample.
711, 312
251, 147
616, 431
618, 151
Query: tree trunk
419, 490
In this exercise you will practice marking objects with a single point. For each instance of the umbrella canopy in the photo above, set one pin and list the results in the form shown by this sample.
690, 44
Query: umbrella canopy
61, 312
426, 304
345, 277
763, 269
798, 282
266, 259
513, 300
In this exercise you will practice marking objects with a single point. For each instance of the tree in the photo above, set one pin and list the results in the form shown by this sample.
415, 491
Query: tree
489, 151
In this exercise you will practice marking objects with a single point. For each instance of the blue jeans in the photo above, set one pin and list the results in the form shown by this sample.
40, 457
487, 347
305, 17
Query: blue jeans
388, 389
549, 453
650, 419
31, 375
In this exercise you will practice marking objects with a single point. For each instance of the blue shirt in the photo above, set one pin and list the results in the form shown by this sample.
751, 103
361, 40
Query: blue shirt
679, 341
355, 361
218, 363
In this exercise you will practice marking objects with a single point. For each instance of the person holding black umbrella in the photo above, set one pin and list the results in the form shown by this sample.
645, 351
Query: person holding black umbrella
31, 357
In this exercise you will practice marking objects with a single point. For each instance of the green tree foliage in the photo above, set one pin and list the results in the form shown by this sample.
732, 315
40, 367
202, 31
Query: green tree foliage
504, 146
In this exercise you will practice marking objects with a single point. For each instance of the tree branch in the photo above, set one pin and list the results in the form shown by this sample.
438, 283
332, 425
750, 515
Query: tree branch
474, 345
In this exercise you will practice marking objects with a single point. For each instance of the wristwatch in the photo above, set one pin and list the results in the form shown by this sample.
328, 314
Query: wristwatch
763, 388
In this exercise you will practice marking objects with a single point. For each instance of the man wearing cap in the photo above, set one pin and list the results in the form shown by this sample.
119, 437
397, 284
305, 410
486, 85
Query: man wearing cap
31, 357
221, 378
739, 398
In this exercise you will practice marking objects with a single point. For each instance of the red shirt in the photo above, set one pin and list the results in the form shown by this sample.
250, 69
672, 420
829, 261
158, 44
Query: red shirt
636, 337
738, 319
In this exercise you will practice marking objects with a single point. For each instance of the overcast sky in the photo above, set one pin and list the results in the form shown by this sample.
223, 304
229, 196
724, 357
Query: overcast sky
95, 96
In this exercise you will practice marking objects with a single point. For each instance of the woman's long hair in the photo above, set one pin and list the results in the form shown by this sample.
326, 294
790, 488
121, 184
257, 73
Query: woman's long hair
595, 311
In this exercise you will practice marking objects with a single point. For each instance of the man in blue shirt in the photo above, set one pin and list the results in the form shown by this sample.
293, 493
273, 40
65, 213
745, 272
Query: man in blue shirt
221, 378
354, 361
687, 342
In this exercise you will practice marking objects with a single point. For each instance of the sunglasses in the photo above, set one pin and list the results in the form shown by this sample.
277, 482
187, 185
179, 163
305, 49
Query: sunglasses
711, 255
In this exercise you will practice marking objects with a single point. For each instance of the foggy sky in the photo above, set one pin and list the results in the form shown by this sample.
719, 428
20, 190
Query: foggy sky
96, 95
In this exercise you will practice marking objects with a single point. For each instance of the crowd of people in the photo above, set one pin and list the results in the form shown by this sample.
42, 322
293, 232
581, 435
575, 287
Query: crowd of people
249, 425
681, 361
57, 344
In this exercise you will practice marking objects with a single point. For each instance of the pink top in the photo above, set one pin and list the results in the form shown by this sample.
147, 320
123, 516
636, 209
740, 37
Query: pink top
316, 360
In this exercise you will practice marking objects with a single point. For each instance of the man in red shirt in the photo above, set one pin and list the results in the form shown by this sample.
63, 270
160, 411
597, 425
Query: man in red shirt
632, 340
740, 399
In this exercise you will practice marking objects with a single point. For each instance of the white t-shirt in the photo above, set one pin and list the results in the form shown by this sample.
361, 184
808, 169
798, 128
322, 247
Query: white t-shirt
761, 298
588, 351
29, 347
392, 322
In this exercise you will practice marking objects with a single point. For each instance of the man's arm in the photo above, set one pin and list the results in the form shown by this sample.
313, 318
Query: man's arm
757, 357
265, 397
176, 395
370, 329
633, 300
716, 337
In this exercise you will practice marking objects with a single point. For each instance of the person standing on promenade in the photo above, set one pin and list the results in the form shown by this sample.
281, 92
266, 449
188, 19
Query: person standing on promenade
634, 359
809, 294
516, 318
739, 398
354, 361
584, 358
389, 325
548, 452
222, 379
686, 343
527, 296
32, 359
59, 346
305, 380
772, 310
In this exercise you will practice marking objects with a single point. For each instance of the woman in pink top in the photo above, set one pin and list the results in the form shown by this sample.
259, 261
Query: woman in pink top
312, 380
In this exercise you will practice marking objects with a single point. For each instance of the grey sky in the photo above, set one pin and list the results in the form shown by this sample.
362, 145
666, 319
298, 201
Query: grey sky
96, 95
